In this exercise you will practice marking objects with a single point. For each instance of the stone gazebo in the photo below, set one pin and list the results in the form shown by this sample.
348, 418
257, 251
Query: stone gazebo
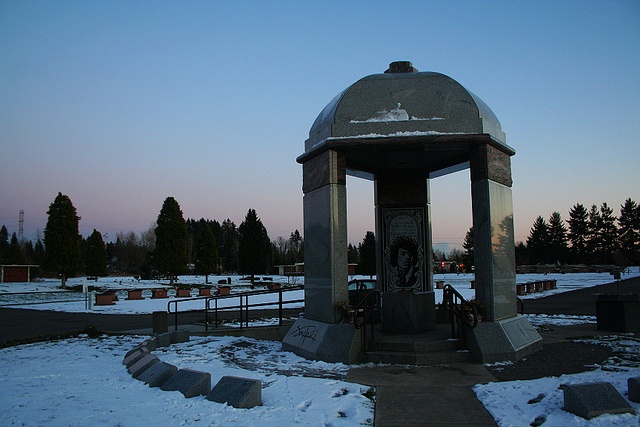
400, 129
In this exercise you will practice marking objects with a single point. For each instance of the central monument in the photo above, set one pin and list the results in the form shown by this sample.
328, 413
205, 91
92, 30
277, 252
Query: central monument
401, 129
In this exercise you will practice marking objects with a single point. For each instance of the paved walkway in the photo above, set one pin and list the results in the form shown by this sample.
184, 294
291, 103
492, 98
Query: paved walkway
406, 396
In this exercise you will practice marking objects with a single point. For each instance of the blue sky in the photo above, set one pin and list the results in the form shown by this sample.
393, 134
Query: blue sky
120, 104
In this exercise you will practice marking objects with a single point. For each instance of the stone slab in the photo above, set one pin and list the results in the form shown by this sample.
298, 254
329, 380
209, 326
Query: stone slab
163, 340
181, 335
133, 356
505, 340
189, 382
150, 343
237, 392
157, 374
590, 400
142, 365
408, 312
330, 342
634, 389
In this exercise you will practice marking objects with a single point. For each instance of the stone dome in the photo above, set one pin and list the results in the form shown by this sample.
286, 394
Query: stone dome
405, 108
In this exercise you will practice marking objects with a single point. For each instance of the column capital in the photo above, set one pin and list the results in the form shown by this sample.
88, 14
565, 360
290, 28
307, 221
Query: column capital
489, 162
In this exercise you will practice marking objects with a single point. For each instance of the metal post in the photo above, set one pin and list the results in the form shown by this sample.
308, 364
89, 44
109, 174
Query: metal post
280, 306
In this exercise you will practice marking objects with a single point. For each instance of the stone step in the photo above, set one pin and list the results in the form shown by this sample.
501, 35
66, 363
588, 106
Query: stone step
418, 359
414, 346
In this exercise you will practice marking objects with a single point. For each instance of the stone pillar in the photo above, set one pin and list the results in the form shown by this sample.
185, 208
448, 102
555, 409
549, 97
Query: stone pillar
319, 334
403, 231
503, 334
493, 236
325, 236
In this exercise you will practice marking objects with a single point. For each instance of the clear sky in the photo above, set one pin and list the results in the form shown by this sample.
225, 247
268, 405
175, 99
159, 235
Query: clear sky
120, 104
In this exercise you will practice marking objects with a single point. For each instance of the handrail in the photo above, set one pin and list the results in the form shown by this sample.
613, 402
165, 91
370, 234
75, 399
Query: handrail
363, 315
243, 304
460, 309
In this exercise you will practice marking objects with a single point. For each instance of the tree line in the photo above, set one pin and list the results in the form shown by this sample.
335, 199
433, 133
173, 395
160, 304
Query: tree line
593, 236
169, 247
173, 245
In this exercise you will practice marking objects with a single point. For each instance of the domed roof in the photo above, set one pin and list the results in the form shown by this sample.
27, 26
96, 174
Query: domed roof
403, 106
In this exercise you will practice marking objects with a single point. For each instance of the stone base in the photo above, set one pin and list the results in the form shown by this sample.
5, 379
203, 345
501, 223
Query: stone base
408, 312
505, 340
329, 342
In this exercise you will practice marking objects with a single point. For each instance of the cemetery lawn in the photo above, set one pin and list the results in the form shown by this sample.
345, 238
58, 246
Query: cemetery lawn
82, 381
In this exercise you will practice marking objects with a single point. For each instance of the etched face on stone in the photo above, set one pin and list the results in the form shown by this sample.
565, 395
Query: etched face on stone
405, 260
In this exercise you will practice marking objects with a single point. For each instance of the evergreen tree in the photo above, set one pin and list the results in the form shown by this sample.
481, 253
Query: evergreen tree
96, 264
206, 261
15, 255
608, 235
353, 256
38, 253
4, 244
61, 238
229, 248
469, 256
253, 245
522, 255
367, 251
578, 233
170, 255
296, 247
593, 231
538, 242
629, 232
558, 248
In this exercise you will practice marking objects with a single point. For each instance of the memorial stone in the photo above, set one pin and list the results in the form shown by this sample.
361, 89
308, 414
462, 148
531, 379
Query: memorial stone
237, 392
594, 399
189, 382
142, 365
157, 374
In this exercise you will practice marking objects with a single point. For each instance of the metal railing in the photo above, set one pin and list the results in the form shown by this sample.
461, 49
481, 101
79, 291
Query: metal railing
462, 313
364, 314
243, 306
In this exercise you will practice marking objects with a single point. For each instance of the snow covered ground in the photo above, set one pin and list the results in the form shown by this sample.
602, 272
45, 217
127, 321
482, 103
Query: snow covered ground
81, 381
44, 294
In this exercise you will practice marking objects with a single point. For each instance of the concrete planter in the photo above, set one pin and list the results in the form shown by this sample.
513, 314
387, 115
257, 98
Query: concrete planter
159, 293
104, 299
183, 293
134, 294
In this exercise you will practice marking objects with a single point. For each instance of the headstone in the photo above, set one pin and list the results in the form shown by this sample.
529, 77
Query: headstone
189, 382
142, 365
157, 374
237, 392
594, 399
634, 389
134, 356
181, 335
